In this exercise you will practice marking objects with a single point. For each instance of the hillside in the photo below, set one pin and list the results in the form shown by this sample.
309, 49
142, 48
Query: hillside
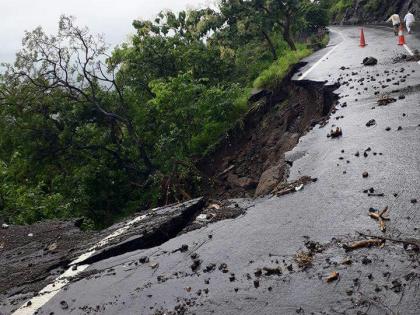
371, 11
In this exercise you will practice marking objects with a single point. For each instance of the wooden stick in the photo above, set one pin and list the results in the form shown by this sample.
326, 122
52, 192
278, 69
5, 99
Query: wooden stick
413, 242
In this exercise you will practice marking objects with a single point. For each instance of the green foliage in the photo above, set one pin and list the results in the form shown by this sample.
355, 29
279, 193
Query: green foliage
85, 134
373, 5
338, 9
270, 78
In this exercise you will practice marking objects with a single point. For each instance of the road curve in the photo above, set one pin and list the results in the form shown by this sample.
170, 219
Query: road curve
248, 265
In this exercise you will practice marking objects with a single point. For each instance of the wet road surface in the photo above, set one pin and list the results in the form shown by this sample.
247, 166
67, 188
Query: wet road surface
277, 257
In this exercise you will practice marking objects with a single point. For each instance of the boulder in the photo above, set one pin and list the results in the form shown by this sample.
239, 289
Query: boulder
269, 180
370, 61
243, 182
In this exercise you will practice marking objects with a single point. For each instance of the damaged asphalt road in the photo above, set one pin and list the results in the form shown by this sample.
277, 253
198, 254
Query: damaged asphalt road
295, 253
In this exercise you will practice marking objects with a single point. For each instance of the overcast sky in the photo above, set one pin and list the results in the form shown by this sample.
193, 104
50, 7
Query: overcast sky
109, 17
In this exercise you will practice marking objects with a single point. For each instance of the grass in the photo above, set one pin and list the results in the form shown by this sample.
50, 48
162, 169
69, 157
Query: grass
271, 77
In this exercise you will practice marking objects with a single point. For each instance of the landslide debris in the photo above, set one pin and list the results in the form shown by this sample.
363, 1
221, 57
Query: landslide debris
407, 58
249, 161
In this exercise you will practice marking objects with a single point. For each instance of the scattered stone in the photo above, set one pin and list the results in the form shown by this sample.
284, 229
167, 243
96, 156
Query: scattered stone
64, 305
366, 261
256, 283
195, 265
388, 128
385, 100
210, 268
414, 200
153, 264
338, 132
144, 260
399, 128
223, 268
365, 174
396, 286
269, 271
370, 61
371, 123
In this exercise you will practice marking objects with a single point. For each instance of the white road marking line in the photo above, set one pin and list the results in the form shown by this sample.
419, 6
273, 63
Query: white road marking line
48, 292
52, 289
106, 240
322, 58
410, 51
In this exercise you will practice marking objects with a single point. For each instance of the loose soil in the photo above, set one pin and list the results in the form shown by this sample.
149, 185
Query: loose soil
249, 161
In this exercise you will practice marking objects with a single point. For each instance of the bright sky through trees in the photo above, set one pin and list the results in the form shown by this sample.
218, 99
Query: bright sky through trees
109, 17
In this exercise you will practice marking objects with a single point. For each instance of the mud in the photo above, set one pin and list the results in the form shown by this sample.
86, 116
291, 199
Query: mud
249, 161
28, 263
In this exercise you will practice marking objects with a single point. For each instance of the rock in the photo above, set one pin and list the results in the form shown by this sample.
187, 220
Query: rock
269, 271
210, 268
269, 179
371, 123
396, 286
243, 182
223, 268
196, 264
153, 264
401, 97
64, 305
365, 174
366, 261
144, 260
4, 226
52, 247
338, 132
413, 200
370, 61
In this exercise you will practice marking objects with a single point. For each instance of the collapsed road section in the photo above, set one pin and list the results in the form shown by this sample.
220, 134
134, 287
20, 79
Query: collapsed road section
57, 252
33, 256
347, 244
249, 161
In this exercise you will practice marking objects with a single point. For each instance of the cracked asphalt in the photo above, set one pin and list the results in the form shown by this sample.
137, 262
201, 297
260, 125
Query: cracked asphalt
252, 264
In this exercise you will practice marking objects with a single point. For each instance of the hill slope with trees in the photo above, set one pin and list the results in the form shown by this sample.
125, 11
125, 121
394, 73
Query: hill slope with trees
99, 134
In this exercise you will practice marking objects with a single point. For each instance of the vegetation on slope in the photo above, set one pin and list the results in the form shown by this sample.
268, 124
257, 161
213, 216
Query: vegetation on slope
84, 133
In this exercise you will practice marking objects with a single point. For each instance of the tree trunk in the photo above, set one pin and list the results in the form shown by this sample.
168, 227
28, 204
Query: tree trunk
271, 45
287, 36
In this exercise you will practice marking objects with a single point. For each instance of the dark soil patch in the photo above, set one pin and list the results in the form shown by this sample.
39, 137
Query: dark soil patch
249, 160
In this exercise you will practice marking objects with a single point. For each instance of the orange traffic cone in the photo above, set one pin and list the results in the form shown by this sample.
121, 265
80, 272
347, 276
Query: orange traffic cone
362, 38
401, 38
